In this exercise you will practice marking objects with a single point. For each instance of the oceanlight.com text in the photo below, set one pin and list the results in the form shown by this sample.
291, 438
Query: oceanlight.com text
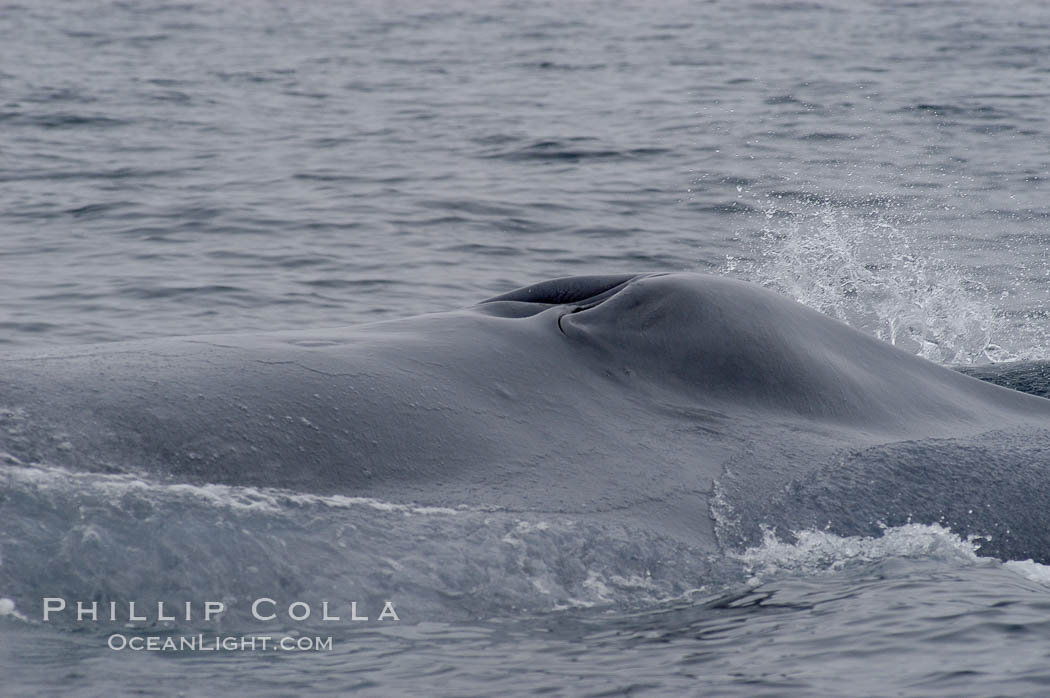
218, 643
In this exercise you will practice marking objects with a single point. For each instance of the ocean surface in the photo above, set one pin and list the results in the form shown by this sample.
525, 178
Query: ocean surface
208, 167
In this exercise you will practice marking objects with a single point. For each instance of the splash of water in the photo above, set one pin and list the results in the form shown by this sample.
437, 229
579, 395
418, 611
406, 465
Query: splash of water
815, 552
821, 552
868, 272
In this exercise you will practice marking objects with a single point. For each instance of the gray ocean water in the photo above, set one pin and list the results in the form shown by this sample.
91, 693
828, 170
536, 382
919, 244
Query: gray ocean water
207, 167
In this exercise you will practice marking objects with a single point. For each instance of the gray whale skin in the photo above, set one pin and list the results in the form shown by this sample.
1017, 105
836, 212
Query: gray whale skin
695, 406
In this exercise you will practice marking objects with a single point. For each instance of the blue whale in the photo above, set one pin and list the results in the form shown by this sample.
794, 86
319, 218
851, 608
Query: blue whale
698, 407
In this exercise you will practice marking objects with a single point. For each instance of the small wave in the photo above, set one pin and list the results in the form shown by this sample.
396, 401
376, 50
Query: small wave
62, 120
572, 150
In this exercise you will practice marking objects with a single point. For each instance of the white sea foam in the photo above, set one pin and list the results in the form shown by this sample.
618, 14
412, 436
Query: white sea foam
1030, 570
112, 486
815, 552
820, 552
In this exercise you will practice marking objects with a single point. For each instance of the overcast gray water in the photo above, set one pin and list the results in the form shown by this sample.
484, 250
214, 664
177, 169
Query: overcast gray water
207, 167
